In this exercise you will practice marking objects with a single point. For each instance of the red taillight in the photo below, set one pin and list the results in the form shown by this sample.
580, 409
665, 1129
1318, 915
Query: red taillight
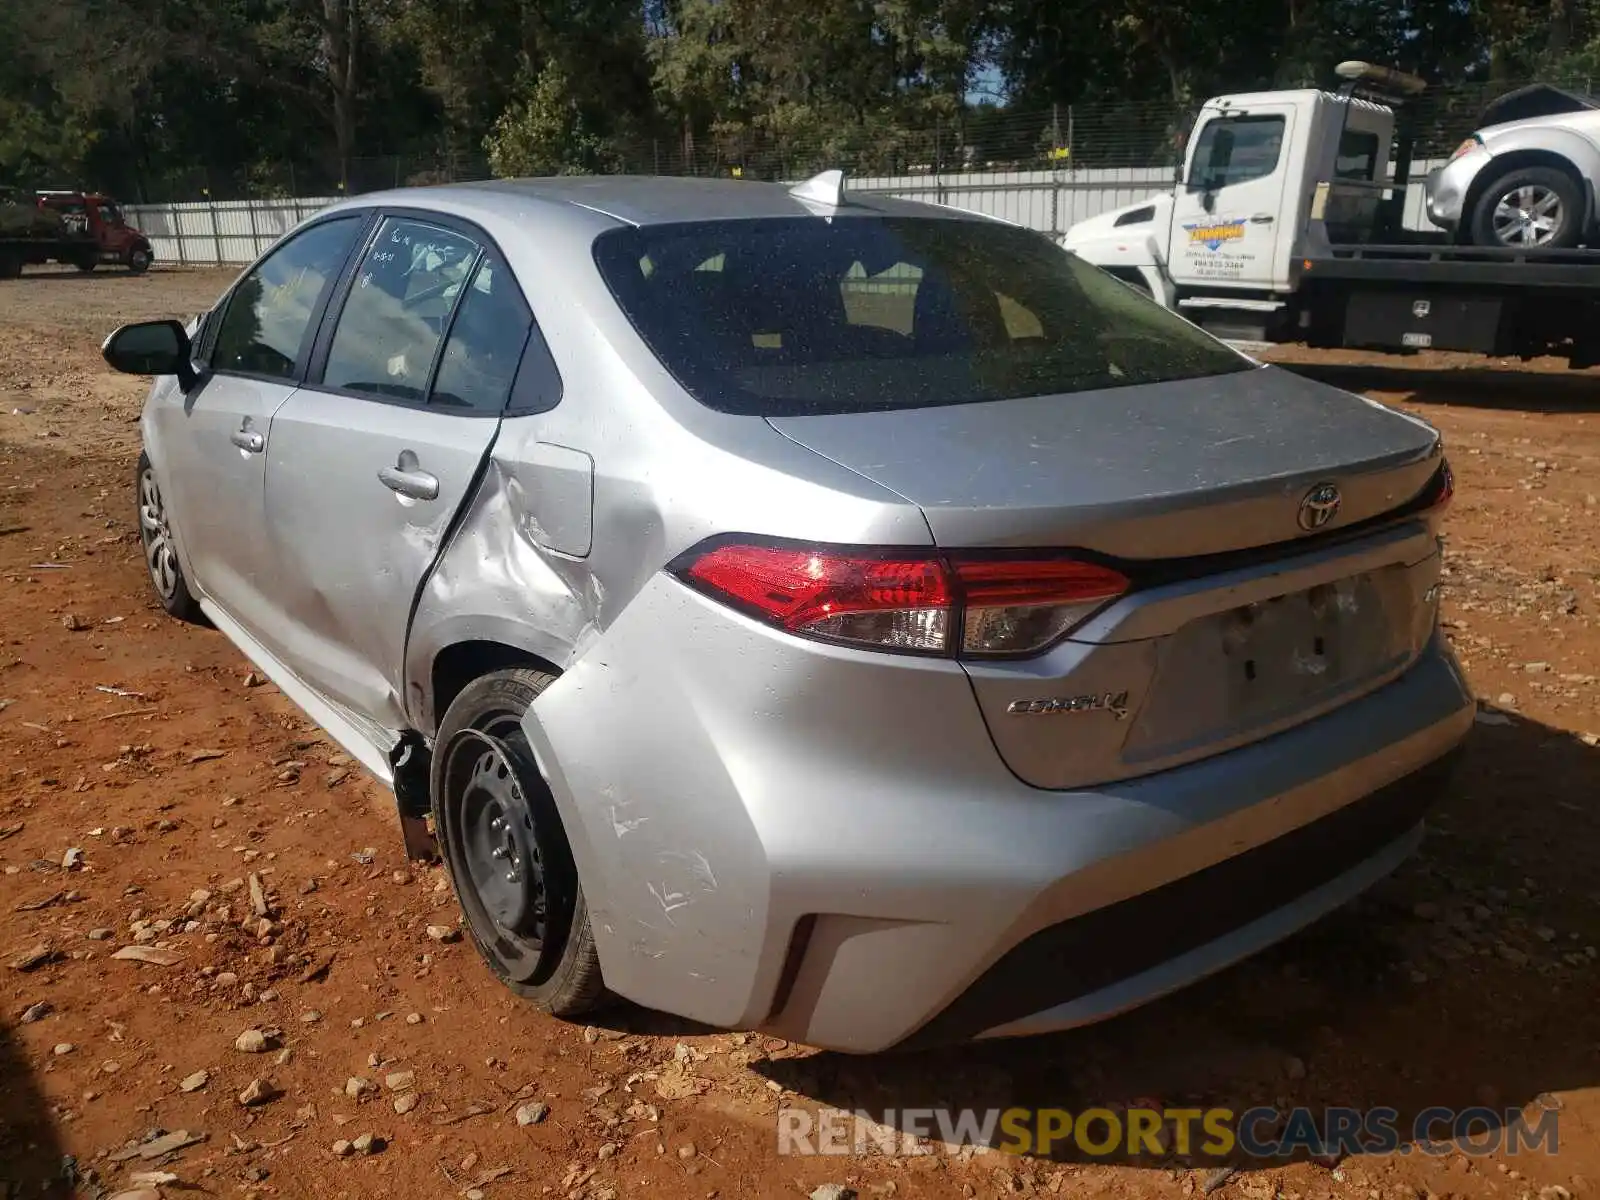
1012, 606
905, 601
1440, 491
901, 603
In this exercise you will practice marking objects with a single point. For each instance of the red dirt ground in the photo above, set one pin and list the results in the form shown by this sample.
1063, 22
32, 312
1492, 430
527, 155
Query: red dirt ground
1469, 978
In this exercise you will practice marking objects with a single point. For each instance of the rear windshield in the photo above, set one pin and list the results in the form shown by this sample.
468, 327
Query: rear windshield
797, 316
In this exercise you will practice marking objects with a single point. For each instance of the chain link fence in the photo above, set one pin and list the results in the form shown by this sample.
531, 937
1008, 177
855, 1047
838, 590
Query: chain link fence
1113, 135
1135, 134
1046, 170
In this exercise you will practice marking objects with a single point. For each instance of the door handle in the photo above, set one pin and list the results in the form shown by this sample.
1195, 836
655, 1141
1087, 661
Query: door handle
410, 482
248, 440
1262, 219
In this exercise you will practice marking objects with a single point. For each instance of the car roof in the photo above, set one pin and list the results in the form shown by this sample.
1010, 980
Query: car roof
652, 200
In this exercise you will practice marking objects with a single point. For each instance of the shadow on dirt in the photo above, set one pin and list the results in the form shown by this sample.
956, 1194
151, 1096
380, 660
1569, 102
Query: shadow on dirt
72, 274
1462, 982
1475, 387
32, 1160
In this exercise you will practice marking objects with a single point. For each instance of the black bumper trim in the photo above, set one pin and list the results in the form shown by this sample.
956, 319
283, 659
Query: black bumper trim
1087, 953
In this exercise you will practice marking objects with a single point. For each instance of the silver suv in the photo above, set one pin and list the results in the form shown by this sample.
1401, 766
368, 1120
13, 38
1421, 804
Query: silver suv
1525, 180
806, 611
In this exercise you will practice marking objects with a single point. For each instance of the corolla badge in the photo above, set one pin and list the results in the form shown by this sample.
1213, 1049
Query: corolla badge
1321, 505
1115, 703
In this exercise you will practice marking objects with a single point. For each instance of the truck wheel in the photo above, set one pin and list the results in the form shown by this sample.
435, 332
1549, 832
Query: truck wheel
10, 266
87, 262
138, 261
1529, 207
506, 851
160, 553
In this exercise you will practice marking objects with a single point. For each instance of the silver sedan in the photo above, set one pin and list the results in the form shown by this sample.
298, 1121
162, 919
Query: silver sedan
809, 611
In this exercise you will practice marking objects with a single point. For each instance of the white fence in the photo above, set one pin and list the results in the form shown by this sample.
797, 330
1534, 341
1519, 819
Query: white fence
238, 231
227, 231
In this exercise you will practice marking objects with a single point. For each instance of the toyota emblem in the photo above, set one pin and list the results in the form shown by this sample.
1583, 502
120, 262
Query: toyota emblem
1321, 505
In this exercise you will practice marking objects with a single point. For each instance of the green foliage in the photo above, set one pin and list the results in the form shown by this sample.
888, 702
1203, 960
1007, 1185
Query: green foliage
164, 98
546, 134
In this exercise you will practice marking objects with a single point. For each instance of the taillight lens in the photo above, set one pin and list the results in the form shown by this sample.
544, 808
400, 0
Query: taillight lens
910, 602
898, 603
1013, 606
1440, 491
1466, 147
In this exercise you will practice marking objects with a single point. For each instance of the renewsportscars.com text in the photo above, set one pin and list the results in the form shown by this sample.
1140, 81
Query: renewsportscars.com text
1220, 1133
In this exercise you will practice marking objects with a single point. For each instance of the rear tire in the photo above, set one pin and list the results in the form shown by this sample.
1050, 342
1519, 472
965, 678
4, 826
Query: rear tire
506, 851
160, 550
87, 263
10, 265
1529, 208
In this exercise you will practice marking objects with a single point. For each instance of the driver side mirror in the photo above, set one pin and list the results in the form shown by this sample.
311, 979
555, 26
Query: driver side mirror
151, 348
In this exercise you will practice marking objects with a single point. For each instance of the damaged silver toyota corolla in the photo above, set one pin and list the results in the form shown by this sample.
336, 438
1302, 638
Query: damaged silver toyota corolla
809, 611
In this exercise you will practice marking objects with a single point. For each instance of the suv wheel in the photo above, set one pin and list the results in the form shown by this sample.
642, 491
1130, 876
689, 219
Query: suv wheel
1529, 208
506, 850
160, 553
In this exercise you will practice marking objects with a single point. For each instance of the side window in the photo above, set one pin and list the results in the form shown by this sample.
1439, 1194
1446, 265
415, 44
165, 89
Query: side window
270, 310
1358, 155
485, 343
399, 304
1235, 150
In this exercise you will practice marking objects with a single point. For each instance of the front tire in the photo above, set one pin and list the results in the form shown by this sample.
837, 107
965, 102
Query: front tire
138, 261
1529, 208
160, 550
506, 851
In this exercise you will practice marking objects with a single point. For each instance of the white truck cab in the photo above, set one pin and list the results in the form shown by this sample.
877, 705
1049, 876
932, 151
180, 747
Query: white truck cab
1287, 224
1227, 236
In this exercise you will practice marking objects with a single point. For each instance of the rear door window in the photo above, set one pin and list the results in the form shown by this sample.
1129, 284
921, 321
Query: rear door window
399, 306
789, 316
485, 343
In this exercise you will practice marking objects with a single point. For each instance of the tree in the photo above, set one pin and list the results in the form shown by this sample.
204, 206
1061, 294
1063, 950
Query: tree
546, 134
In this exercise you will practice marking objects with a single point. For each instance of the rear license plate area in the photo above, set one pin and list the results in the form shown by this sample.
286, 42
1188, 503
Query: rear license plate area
1291, 650
1255, 667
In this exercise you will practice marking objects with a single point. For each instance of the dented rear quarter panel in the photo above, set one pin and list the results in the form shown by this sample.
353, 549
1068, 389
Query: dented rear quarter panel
576, 513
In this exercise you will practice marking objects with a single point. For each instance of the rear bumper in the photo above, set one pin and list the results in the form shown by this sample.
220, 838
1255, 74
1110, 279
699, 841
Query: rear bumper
802, 838
1123, 955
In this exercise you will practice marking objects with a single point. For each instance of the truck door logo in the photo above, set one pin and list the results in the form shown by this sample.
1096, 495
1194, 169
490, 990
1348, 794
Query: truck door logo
1421, 308
1214, 234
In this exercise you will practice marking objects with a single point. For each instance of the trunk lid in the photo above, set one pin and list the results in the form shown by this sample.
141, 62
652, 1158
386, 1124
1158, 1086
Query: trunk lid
1167, 470
1181, 670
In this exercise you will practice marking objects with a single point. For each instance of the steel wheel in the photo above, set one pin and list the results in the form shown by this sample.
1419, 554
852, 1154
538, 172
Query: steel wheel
1529, 215
512, 878
506, 849
156, 534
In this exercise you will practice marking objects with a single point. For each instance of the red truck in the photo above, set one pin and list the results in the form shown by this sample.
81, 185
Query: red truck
81, 229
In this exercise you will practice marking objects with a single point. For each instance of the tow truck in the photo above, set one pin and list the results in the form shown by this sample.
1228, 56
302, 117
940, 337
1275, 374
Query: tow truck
80, 229
1287, 224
